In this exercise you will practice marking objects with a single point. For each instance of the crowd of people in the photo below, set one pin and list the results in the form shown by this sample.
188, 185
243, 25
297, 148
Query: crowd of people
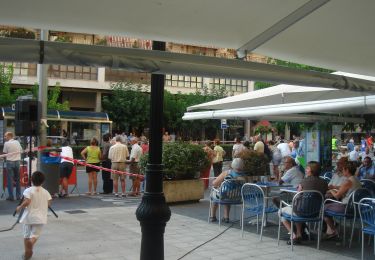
288, 170
114, 154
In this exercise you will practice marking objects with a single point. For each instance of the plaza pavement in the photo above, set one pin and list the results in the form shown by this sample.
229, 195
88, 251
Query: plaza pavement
106, 228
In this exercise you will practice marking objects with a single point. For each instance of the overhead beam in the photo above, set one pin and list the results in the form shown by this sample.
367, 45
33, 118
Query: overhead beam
158, 62
280, 26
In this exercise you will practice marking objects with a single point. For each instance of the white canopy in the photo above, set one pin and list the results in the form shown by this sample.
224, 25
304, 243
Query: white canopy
290, 103
346, 106
281, 94
335, 34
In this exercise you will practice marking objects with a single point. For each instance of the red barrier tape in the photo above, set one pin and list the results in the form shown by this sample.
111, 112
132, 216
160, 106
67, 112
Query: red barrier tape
75, 161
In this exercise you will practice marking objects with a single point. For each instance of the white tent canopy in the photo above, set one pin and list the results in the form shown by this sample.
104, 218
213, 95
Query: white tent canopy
335, 34
281, 94
288, 102
353, 106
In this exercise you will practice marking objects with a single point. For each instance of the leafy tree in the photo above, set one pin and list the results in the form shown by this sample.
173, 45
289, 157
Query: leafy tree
6, 76
128, 106
175, 106
7, 97
53, 97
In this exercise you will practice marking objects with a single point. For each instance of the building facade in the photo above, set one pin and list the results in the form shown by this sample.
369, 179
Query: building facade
83, 86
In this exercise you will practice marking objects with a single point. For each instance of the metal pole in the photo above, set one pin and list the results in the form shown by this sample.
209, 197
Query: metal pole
153, 213
223, 134
42, 70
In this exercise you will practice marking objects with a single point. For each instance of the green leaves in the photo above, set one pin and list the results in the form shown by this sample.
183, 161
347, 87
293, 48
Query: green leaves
181, 160
6, 76
128, 106
53, 97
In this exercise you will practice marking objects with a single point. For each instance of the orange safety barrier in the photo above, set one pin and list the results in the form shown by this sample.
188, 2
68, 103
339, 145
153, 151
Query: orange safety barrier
72, 180
73, 176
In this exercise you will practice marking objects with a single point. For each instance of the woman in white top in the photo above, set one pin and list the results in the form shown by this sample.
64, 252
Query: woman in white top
65, 168
338, 177
343, 194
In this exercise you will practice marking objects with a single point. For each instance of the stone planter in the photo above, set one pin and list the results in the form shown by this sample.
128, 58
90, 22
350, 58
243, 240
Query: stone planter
183, 190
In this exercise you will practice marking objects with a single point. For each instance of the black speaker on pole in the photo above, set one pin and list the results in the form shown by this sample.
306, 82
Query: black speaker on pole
27, 117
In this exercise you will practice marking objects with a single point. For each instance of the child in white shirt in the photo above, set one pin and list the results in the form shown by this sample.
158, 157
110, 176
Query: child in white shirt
36, 202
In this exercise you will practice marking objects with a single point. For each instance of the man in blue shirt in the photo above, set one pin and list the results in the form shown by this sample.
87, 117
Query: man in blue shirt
367, 170
350, 145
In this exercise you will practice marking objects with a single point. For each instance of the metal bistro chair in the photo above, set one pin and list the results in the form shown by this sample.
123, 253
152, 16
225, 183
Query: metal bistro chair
357, 197
367, 216
370, 185
328, 175
229, 193
307, 206
350, 210
254, 202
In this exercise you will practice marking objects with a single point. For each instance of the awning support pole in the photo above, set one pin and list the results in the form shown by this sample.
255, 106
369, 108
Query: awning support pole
153, 213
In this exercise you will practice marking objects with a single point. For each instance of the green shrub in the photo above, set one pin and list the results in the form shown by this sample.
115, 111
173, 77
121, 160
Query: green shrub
181, 161
255, 163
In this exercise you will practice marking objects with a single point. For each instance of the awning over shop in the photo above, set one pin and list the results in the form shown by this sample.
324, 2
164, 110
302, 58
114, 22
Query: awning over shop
344, 106
291, 103
56, 115
281, 94
86, 116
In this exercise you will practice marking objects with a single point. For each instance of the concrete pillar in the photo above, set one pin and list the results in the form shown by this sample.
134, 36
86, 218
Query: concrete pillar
250, 86
287, 132
247, 131
101, 75
98, 102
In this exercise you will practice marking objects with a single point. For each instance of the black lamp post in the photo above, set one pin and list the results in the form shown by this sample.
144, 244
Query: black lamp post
153, 213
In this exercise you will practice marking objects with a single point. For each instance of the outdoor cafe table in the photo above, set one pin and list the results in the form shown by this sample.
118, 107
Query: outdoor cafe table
267, 187
289, 190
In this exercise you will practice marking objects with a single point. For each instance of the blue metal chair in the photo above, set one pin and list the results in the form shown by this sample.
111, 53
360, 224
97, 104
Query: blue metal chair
350, 210
357, 197
370, 185
307, 206
367, 216
229, 193
255, 203
328, 175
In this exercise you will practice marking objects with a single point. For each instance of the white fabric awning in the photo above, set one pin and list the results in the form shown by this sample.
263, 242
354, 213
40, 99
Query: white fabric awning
281, 94
346, 106
335, 34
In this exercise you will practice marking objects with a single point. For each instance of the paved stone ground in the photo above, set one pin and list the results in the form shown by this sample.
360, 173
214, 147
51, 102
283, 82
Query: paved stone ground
112, 232
107, 229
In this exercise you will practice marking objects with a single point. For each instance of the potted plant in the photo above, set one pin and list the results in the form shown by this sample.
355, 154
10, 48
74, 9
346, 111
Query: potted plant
255, 163
183, 163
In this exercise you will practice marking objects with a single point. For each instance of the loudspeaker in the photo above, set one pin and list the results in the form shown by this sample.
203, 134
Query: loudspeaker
27, 117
